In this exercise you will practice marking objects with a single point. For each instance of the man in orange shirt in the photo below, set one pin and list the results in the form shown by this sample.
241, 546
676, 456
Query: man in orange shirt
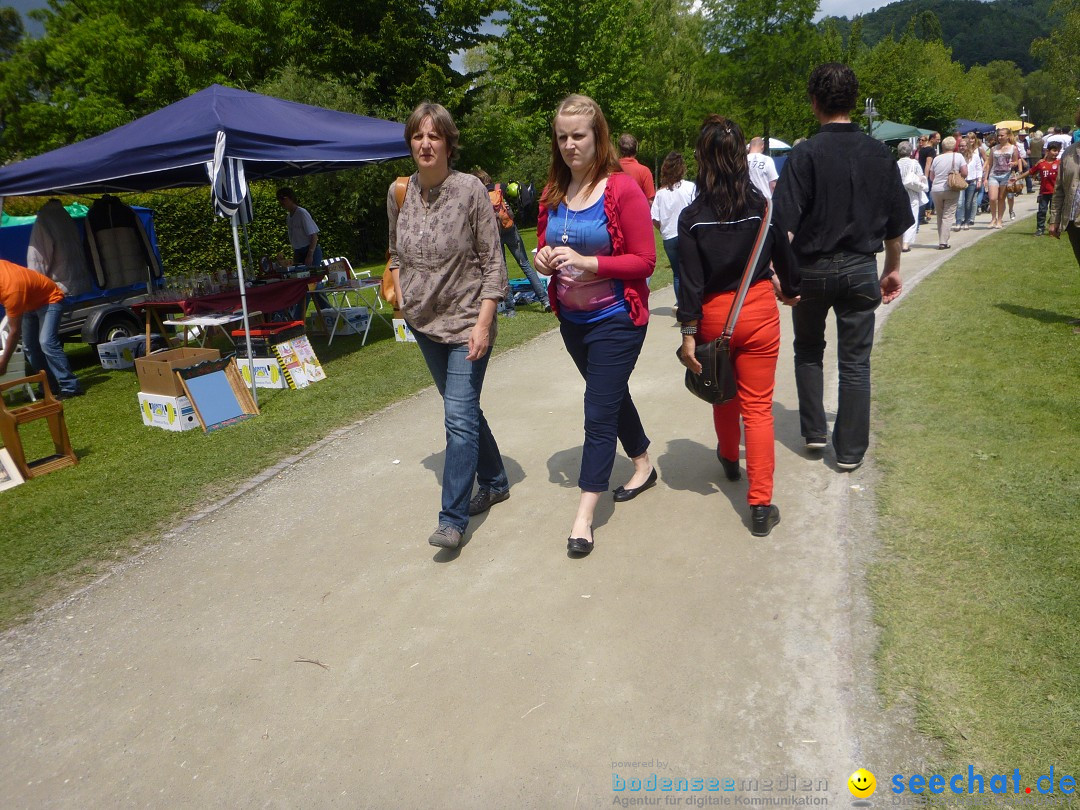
33, 305
628, 161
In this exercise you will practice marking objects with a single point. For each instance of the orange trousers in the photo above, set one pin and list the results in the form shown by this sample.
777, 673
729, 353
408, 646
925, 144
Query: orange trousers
754, 349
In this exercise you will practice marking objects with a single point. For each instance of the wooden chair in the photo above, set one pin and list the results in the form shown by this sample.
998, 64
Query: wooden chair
49, 408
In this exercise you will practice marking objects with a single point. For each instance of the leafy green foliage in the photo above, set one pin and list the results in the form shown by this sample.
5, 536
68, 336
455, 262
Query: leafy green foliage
1061, 49
760, 41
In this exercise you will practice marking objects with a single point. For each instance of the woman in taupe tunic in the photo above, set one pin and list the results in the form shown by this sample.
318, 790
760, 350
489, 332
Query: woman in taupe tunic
445, 242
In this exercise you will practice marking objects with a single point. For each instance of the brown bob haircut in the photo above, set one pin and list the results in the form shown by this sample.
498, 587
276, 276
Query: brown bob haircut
558, 180
442, 123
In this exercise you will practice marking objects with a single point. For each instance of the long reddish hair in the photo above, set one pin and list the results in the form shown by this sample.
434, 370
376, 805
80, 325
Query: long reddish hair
558, 180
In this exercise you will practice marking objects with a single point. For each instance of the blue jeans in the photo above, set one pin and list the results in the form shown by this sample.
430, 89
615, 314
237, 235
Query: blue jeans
471, 451
44, 351
511, 239
965, 209
605, 353
671, 248
300, 256
1040, 216
849, 285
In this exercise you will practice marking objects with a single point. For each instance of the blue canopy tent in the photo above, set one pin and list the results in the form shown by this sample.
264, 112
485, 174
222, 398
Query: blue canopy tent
965, 126
221, 136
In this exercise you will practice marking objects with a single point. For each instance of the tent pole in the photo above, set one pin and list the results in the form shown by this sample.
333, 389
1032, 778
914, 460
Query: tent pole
247, 244
243, 303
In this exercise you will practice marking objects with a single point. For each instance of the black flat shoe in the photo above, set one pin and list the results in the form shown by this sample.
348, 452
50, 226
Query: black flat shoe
622, 494
762, 519
731, 468
578, 545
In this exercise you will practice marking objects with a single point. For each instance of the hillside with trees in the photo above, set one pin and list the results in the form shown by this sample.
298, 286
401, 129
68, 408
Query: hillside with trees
978, 32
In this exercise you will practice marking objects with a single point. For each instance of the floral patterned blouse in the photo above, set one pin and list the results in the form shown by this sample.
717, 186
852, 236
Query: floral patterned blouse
449, 254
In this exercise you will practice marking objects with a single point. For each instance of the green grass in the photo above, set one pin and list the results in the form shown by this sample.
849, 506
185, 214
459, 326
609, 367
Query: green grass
977, 385
133, 481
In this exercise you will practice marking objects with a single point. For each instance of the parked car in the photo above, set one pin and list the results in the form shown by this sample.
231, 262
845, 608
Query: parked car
123, 260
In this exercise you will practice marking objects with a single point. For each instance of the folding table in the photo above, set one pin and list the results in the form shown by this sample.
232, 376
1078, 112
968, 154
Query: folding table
366, 292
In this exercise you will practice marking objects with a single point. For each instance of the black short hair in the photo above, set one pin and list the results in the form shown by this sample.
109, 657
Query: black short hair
282, 193
834, 87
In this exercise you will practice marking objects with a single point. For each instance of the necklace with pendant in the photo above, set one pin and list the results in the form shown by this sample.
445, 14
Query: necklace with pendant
566, 225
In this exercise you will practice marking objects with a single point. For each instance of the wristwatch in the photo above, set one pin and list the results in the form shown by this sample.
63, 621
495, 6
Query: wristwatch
689, 330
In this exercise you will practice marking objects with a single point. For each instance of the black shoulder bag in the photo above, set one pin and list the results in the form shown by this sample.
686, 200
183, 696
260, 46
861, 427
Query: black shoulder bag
716, 382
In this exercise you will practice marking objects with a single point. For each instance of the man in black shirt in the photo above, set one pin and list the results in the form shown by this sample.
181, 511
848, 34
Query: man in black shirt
841, 201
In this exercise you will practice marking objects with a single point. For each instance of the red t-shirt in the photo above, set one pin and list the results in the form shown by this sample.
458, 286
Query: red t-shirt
1047, 172
641, 175
24, 290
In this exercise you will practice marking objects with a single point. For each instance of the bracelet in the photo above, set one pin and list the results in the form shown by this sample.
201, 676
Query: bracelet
689, 330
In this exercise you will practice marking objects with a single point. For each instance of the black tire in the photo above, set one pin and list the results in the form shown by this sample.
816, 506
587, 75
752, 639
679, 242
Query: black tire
116, 326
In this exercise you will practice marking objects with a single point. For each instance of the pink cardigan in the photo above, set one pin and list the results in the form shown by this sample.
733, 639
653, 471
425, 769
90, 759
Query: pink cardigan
633, 248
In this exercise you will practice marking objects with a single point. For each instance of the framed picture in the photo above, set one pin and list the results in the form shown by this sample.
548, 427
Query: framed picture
9, 473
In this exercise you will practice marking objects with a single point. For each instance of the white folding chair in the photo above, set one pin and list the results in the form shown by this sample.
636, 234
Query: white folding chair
17, 364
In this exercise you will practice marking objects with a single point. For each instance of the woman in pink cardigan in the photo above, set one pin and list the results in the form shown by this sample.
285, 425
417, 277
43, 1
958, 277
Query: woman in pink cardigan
596, 240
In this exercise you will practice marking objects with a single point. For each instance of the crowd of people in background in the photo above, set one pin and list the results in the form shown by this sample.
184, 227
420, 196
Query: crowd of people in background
993, 169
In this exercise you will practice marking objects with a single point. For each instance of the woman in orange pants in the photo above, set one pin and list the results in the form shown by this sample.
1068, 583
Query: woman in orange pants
716, 237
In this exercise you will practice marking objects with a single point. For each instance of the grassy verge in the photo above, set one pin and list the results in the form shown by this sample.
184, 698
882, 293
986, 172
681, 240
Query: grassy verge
132, 480
977, 382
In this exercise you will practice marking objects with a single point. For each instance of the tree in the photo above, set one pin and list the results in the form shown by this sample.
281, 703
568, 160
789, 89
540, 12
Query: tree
11, 31
928, 27
556, 47
103, 63
1061, 50
762, 44
905, 80
1048, 102
679, 77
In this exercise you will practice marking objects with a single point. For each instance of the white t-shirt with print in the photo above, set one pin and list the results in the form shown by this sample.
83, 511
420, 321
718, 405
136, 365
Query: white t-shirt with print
762, 172
669, 203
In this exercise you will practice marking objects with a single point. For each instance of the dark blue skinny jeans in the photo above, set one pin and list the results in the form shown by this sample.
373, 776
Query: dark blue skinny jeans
605, 353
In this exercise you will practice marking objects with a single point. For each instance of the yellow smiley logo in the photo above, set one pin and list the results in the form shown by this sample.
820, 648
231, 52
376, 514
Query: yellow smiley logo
862, 784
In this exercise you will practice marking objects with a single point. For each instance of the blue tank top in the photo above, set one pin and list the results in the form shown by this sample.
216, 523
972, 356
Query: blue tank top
586, 232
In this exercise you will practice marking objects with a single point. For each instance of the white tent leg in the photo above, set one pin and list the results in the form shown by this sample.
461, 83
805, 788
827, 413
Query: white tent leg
243, 304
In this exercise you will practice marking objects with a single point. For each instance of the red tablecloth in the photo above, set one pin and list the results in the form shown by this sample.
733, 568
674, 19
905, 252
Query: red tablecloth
265, 298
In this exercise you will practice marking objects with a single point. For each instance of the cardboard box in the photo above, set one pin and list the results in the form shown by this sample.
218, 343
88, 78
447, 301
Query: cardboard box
354, 320
168, 413
120, 353
155, 371
402, 333
337, 278
268, 372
